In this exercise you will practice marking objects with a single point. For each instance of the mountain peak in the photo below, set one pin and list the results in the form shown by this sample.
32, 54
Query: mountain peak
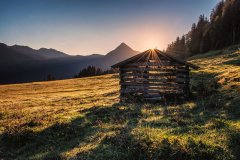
120, 53
123, 46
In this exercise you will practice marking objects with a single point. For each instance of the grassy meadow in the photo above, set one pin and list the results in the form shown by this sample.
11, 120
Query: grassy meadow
83, 119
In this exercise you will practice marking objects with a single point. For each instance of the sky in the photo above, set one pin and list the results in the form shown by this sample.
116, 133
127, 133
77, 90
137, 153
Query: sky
98, 26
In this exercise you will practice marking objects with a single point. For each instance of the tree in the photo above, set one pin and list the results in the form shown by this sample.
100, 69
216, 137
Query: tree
92, 71
221, 30
50, 77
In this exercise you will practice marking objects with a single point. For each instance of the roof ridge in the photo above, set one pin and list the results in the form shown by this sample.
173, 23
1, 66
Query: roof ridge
158, 52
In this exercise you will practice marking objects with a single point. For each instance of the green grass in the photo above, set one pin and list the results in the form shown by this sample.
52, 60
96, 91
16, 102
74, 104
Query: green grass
83, 119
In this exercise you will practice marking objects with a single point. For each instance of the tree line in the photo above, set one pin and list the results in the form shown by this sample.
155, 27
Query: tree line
93, 71
221, 29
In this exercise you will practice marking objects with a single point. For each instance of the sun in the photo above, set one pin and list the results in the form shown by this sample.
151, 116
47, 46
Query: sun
152, 45
153, 48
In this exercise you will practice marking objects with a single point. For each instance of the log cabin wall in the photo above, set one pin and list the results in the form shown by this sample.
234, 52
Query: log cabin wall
153, 80
154, 75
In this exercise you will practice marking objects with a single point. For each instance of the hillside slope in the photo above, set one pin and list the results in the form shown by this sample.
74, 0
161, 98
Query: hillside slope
20, 64
82, 118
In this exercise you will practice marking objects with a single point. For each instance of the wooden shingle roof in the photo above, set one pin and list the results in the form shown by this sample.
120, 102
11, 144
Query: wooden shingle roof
150, 52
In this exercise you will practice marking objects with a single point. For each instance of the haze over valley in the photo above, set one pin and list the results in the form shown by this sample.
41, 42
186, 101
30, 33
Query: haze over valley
24, 64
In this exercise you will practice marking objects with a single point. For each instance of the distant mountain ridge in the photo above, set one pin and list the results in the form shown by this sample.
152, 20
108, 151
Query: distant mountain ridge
51, 53
9, 55
40, 53
24, 64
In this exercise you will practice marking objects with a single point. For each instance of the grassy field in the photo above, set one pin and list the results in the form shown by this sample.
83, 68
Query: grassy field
83, 119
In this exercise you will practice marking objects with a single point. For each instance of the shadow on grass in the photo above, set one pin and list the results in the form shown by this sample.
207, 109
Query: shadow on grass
182, 119
123, 144
235, 62
233, 142
22, 142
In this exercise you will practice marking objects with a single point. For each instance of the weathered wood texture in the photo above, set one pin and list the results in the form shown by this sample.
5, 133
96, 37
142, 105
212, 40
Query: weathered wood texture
154, 75
154, 81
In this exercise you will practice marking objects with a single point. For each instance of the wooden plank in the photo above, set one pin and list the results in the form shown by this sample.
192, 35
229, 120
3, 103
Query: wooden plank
150, 79
161, 95
156, 69
151, 64
159, 90
130, 90
151, 84
162, 92
155, 76
135, 87
160, 98
183, 67
153, 91
152, 96
125, 92
169, 67
149, 74
132, 80
165, 82
154, 99
154, 86
176, 80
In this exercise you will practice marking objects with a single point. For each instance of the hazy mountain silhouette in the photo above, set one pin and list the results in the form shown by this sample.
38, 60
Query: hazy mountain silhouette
24, 64
51, 53
40, 53
90, 56
122, 52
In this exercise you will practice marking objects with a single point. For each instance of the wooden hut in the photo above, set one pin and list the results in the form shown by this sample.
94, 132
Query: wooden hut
154, 75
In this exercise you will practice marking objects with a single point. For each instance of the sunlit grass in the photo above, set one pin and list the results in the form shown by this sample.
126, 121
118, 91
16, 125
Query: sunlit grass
83, 119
